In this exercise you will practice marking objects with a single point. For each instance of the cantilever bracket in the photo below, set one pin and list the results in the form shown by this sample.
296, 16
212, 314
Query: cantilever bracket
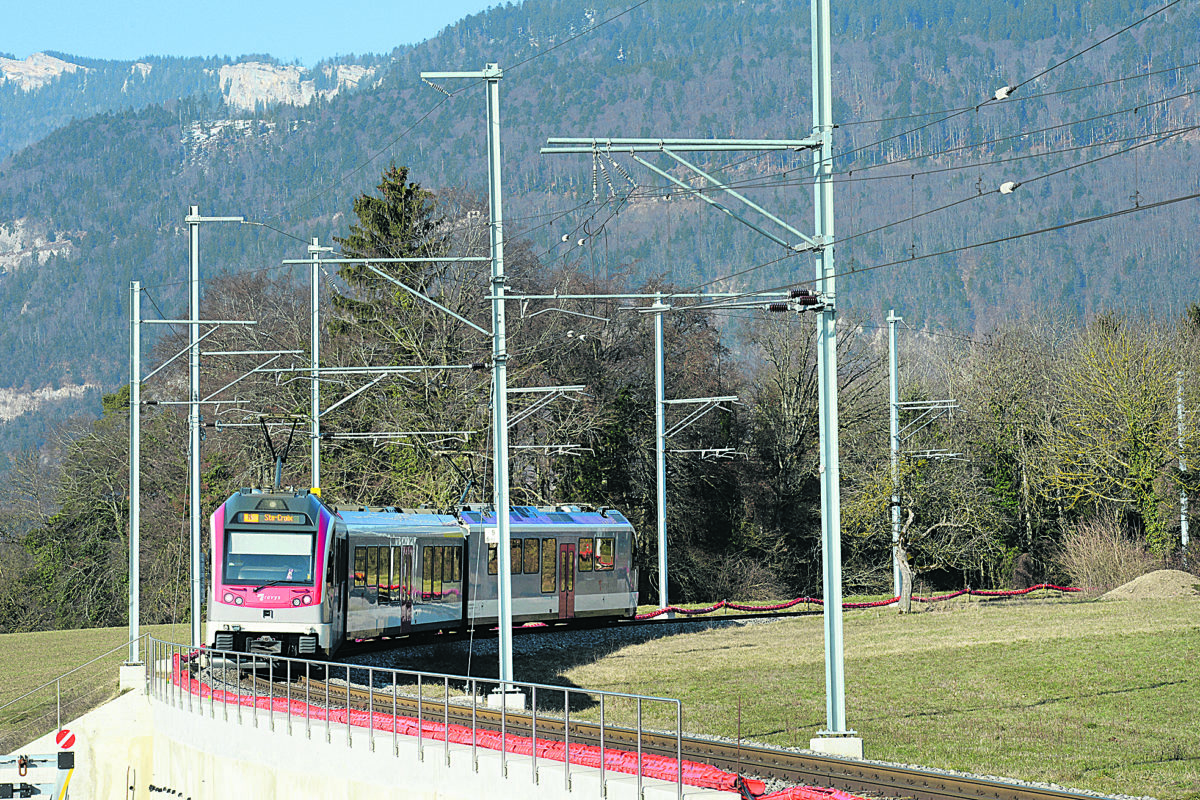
706, 404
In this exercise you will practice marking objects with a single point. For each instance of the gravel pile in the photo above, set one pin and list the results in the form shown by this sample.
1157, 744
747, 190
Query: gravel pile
1161, 584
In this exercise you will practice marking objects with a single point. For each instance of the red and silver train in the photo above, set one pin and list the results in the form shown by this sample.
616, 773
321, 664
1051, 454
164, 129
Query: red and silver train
294, 576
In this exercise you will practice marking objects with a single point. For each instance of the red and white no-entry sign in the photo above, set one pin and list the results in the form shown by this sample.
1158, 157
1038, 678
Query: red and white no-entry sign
65, 739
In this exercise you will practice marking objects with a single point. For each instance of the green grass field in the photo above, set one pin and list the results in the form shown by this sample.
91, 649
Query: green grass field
1095, 695
29, 660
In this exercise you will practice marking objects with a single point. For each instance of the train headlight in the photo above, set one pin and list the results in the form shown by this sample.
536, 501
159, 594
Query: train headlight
237, 601
228, 597
296, 601
307, 600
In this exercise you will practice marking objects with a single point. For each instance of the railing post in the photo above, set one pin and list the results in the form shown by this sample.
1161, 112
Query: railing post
190, 693
371, 709
237, 666
503, 729
420, 721
474, 727
349, 739
679, 749
639, 749
288, 677
395, 691
446, 720
567, 739
58, 701
254, 684
602, 786
307, 703
271, 691
533, 702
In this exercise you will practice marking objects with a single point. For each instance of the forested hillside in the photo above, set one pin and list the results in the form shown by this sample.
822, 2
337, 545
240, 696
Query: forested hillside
1064, 444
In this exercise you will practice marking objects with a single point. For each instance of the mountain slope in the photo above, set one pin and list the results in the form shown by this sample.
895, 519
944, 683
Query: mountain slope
117, 185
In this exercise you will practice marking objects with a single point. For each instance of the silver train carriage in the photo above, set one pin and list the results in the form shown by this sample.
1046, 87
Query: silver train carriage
311, 576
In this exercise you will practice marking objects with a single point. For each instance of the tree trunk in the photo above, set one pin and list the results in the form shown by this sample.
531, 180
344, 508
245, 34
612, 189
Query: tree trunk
905, 604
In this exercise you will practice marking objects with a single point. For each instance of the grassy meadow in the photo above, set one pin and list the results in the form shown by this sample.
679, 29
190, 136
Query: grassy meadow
29, 660
1094, 695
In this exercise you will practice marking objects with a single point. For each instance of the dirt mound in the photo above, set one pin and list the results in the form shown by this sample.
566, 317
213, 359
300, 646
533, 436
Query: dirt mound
1157, 585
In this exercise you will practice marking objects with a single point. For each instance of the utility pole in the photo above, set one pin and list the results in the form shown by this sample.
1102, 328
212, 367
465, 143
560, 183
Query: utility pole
135, 466
314, 252
197, 592
1183, 498
660, 447
492, 74
836, 737
894, 438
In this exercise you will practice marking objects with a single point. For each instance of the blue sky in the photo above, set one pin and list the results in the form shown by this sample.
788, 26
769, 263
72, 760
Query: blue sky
303, 30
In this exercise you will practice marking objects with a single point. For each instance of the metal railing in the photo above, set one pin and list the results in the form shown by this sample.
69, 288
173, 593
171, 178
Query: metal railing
25, 718
210, 682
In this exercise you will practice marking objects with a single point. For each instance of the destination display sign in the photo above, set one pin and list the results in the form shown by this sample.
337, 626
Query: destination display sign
271, 518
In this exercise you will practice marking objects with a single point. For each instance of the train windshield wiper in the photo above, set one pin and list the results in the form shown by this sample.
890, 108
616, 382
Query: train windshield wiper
275, 582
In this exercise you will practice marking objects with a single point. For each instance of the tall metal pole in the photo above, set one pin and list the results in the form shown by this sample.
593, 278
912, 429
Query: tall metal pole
1183, 498
135, 465
194, 420
660, 451
314, 252
492, 74
831, 526
894, 427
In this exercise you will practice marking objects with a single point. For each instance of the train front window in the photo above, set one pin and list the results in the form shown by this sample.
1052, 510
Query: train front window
259, 557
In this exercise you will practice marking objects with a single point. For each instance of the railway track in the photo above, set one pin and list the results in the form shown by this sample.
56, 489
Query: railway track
797, 768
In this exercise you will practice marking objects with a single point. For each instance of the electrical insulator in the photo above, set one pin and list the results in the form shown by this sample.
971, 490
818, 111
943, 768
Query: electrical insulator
478, 365
776, 308
804, 297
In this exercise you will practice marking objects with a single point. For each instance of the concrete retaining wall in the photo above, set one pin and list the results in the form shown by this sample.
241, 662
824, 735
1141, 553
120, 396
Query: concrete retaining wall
135, 747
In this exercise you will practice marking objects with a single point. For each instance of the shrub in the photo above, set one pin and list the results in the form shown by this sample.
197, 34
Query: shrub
1098, 555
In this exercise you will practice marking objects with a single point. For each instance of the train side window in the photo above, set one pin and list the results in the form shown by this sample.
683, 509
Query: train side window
456, 564
514, 562
373, 567
531, 556
395, 582
585, 555
492, 559
426, 572
439, 565
566, 575
360, 567
604, 553
549, 562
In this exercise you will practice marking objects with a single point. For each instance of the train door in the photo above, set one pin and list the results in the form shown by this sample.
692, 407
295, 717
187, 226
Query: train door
341, 596
406, 587
566, 581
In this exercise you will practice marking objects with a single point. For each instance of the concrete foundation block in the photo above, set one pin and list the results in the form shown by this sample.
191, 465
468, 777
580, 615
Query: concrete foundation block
133, 678
512, 700
844, 746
